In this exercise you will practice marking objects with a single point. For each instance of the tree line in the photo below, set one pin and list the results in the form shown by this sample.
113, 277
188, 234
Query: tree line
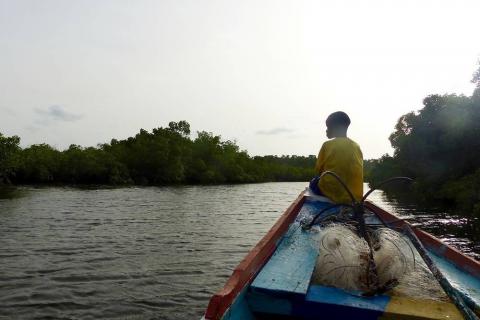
163, 156
439, 146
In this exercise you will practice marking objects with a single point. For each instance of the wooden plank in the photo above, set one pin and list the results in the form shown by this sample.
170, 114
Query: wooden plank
405, 308
320, 303
336, 296
290, 268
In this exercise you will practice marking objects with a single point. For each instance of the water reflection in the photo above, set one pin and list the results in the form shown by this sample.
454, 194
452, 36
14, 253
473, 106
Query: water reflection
454, 229
9, 192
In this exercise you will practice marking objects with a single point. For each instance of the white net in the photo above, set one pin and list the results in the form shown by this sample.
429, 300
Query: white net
394, 258
341, 262
344, 258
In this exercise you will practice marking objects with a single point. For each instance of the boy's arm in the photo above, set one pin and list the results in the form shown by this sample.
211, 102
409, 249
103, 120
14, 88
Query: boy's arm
319, 166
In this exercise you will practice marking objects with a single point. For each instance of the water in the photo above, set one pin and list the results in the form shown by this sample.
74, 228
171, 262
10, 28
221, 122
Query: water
457, 229
147, 253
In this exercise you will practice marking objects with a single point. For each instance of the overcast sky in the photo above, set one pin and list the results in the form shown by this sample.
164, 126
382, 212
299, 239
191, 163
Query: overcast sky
265, 73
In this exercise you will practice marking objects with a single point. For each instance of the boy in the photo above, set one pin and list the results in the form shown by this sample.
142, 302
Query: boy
342, 156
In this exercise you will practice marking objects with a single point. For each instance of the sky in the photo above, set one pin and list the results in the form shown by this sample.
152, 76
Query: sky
263, 73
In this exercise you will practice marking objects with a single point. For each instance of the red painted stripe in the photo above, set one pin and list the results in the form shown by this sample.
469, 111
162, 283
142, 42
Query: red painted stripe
462, 261
252, 263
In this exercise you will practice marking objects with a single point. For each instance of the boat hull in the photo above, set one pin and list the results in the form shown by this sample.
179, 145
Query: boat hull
273, 280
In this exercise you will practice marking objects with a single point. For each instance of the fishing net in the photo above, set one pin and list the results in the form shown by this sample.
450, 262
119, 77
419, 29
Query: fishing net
393, 256
344, 258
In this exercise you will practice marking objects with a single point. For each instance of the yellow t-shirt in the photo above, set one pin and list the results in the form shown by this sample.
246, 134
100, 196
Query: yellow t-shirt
344, 157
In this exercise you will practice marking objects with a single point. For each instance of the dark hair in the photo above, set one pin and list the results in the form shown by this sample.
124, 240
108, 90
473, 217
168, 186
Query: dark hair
338, 118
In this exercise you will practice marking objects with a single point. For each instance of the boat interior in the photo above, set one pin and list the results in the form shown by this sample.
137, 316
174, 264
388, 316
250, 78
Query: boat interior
283, 289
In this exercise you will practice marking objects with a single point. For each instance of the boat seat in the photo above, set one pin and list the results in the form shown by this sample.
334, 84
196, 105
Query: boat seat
289, 270
323, 302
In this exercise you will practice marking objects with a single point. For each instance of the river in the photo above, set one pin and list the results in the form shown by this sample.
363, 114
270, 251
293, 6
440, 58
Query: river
149, 252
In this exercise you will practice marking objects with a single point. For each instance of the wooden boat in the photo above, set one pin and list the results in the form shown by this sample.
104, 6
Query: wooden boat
274, 280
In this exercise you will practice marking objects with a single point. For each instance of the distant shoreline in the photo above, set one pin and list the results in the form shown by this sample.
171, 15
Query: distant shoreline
164, 156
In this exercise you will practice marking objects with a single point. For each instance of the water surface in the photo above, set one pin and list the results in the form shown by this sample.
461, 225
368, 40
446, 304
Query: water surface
150, 252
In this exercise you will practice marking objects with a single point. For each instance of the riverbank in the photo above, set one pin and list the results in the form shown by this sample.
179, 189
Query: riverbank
164, 156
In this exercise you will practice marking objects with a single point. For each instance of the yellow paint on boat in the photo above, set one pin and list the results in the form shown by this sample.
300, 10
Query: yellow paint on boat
404, 308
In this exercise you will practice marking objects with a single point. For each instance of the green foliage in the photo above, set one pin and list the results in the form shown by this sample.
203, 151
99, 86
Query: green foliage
163, 156
463, 192
38, 163
439, 146
9, 148
476, 81
182, 127
377, 170
476, 76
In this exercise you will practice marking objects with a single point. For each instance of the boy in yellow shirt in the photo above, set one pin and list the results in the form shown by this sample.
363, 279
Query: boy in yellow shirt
342, 156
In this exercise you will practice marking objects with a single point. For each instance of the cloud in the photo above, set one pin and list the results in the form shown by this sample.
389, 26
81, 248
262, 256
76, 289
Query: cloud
274, 131
55, 113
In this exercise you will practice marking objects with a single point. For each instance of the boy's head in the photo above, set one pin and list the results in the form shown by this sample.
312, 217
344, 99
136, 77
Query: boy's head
337, 124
